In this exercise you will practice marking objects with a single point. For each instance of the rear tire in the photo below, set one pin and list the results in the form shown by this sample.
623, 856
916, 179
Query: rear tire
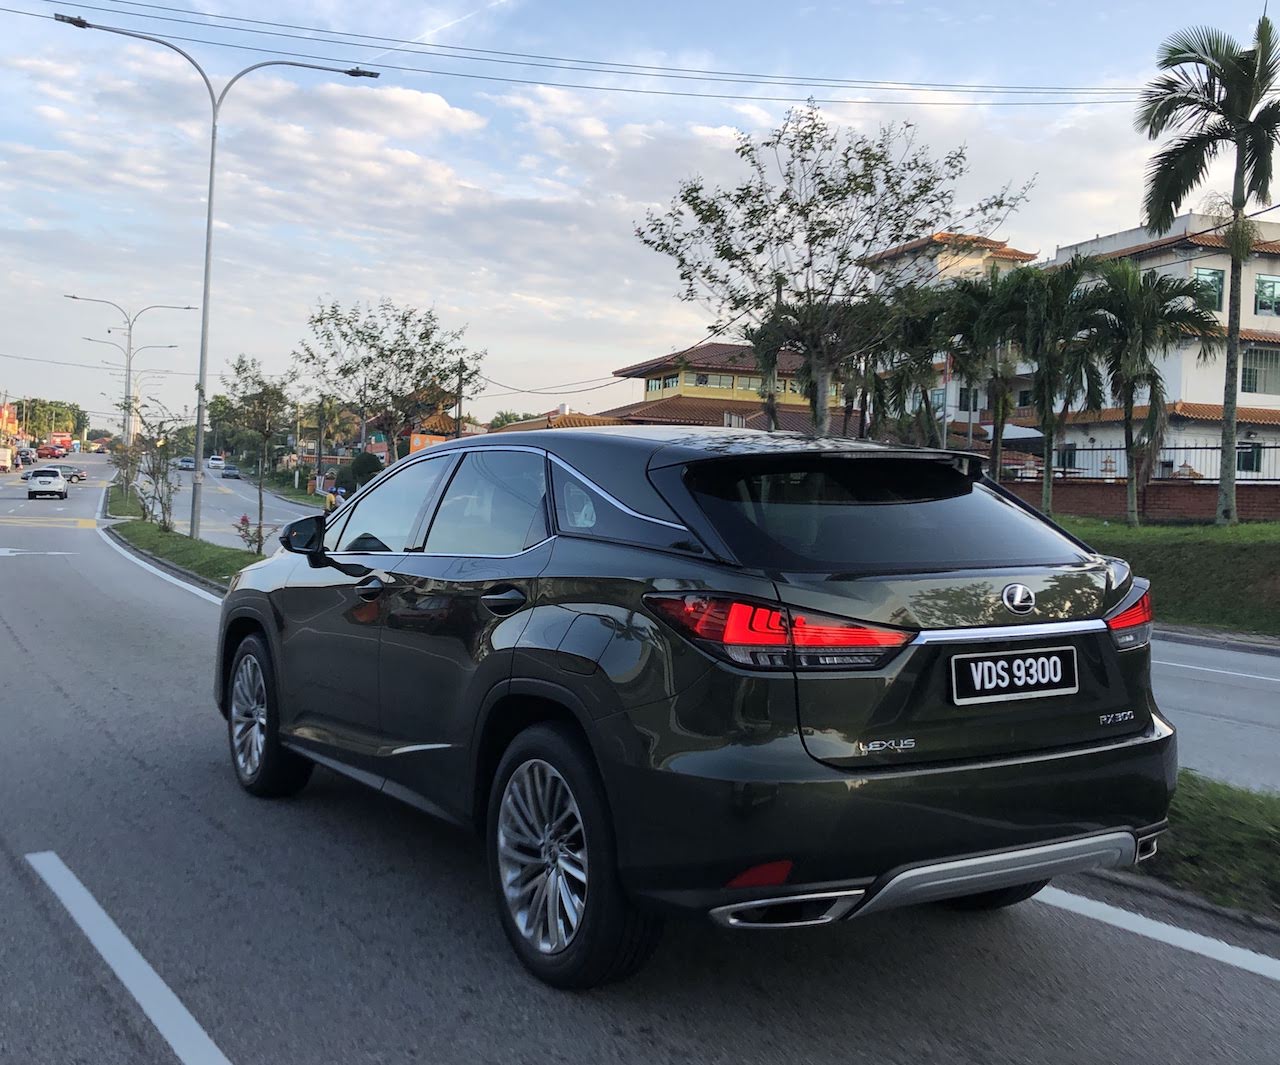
998, 899
549, 834
31, 495
263, 766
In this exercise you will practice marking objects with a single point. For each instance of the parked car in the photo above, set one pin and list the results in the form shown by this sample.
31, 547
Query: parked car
187, 463
46, 481
71, 473
216, 462
228, 470
100, 450
48, 451
755, 678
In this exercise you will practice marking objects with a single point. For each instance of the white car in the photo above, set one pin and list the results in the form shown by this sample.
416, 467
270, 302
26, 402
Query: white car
47, 481
216, 462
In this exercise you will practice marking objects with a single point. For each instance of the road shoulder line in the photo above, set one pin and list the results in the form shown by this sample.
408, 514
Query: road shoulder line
1206, 946
132, 554
190, 1042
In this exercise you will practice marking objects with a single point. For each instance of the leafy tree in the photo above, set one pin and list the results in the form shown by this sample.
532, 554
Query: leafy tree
917, 316
262, 408
507, 417
1052, 318
96, 435
1219, 97
1143, 317
802, 229
397, 363
158, 443
220, 414
364, 468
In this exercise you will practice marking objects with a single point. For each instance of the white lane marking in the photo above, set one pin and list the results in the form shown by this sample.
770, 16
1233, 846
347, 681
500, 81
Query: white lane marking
163, 1008
1228, 672
217, 600
1206, 946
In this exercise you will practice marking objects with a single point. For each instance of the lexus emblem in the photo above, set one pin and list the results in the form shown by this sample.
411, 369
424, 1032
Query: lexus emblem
1018, 599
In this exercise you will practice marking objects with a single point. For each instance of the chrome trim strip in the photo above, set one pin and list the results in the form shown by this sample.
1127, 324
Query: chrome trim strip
992, 633
412, 747
841, 903
990, 872
613, 499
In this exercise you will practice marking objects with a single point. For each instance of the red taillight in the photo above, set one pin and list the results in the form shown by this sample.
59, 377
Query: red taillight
1132, 626
770, 637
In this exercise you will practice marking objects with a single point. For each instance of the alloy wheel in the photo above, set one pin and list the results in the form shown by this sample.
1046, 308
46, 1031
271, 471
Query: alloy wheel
248, 716
542, 856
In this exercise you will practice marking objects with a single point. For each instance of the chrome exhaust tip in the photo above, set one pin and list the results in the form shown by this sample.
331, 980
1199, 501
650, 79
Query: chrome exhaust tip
805, 910
1146, 847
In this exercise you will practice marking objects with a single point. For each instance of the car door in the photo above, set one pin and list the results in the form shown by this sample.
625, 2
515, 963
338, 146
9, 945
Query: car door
332, 613
456, 610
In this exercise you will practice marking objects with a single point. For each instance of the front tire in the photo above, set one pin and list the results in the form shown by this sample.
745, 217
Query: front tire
999, 898
553, 865
263, 766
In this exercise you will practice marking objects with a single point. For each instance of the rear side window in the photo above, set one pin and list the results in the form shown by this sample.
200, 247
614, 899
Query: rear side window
868, 515
582, 510
495, 505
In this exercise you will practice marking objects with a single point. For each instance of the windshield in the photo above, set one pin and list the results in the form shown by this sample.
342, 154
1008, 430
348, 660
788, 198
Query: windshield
838, 514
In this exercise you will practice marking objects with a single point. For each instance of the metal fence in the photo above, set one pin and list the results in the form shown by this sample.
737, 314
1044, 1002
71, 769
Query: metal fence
1254, 462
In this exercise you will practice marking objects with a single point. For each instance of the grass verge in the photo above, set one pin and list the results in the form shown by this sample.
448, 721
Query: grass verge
122, 504
210, 561
1223, 844
1225, 578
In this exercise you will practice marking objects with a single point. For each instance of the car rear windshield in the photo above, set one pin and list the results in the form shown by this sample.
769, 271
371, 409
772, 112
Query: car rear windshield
867, 515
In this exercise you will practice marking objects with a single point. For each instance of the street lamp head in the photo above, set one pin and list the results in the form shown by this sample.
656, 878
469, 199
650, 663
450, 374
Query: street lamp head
356, 72
77, 22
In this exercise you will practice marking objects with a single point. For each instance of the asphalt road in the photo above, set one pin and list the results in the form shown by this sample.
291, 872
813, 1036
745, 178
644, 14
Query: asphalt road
222, 503
343, 927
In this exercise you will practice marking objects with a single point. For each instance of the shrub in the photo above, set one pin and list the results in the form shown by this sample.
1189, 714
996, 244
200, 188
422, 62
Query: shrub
364, 467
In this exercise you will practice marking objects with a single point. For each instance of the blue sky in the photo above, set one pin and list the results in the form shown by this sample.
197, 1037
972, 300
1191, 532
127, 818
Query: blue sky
508, 207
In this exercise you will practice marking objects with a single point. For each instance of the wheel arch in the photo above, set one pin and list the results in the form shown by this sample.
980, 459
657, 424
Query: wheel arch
243, 623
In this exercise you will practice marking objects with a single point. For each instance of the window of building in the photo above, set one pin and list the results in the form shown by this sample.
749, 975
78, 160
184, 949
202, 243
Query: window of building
1024, 397
1266, 297
1211, 284
653, 384
792, 386
709, 380
937, 397
751, 384
1067, 456
1260, 371
385, 517
671, 380
495, 505
734, 421
969, 399
1249, 458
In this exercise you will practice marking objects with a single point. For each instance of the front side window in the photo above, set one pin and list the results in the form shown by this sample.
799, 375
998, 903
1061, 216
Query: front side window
384, 518
1260, 371
495, 505
1211, 284
1266, 298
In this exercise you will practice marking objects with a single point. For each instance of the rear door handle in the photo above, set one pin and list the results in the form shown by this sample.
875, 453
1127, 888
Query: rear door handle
505, 602
370, 589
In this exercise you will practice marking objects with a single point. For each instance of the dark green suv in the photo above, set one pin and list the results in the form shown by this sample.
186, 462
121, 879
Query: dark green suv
754, 678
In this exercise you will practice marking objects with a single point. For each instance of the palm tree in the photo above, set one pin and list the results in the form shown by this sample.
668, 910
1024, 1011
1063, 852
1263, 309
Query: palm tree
1218, 96
917, 316
1142, 317
976, 320
1052, 317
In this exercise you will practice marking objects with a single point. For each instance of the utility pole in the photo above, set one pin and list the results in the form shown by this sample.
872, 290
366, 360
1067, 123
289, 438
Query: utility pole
457, 425
297, 443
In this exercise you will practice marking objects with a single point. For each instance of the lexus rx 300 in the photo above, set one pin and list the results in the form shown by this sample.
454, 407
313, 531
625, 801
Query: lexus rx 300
760, 679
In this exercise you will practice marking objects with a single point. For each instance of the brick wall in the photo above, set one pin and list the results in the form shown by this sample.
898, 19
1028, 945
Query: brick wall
1160, 501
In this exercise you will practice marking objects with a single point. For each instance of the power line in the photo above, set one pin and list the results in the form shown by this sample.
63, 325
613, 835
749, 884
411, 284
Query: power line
91, 366
527, 59
471, 76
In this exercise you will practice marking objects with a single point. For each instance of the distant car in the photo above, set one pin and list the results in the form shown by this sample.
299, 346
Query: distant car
47, 481
101, 450
229, 470
71, 473
48, 451
187, 463
216, 462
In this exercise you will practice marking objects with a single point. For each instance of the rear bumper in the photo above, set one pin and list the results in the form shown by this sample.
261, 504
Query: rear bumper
687, 829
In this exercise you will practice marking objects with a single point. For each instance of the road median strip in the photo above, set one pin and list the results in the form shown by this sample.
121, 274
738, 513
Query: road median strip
207, 565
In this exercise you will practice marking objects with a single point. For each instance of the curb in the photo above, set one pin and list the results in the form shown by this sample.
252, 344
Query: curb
214, 587
1228, 641
295, 502
1146, 885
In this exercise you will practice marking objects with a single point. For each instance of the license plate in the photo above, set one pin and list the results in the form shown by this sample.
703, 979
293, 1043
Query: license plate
1004, 675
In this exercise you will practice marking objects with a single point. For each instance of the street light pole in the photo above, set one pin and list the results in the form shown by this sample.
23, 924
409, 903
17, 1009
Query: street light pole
129, 353
129, 319
215, 102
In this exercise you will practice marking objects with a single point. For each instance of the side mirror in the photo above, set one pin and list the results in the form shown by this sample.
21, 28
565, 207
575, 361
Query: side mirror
304, 537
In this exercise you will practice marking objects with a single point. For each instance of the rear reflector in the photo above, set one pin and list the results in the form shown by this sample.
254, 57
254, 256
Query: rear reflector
1132, 626
772, 637
770, 874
